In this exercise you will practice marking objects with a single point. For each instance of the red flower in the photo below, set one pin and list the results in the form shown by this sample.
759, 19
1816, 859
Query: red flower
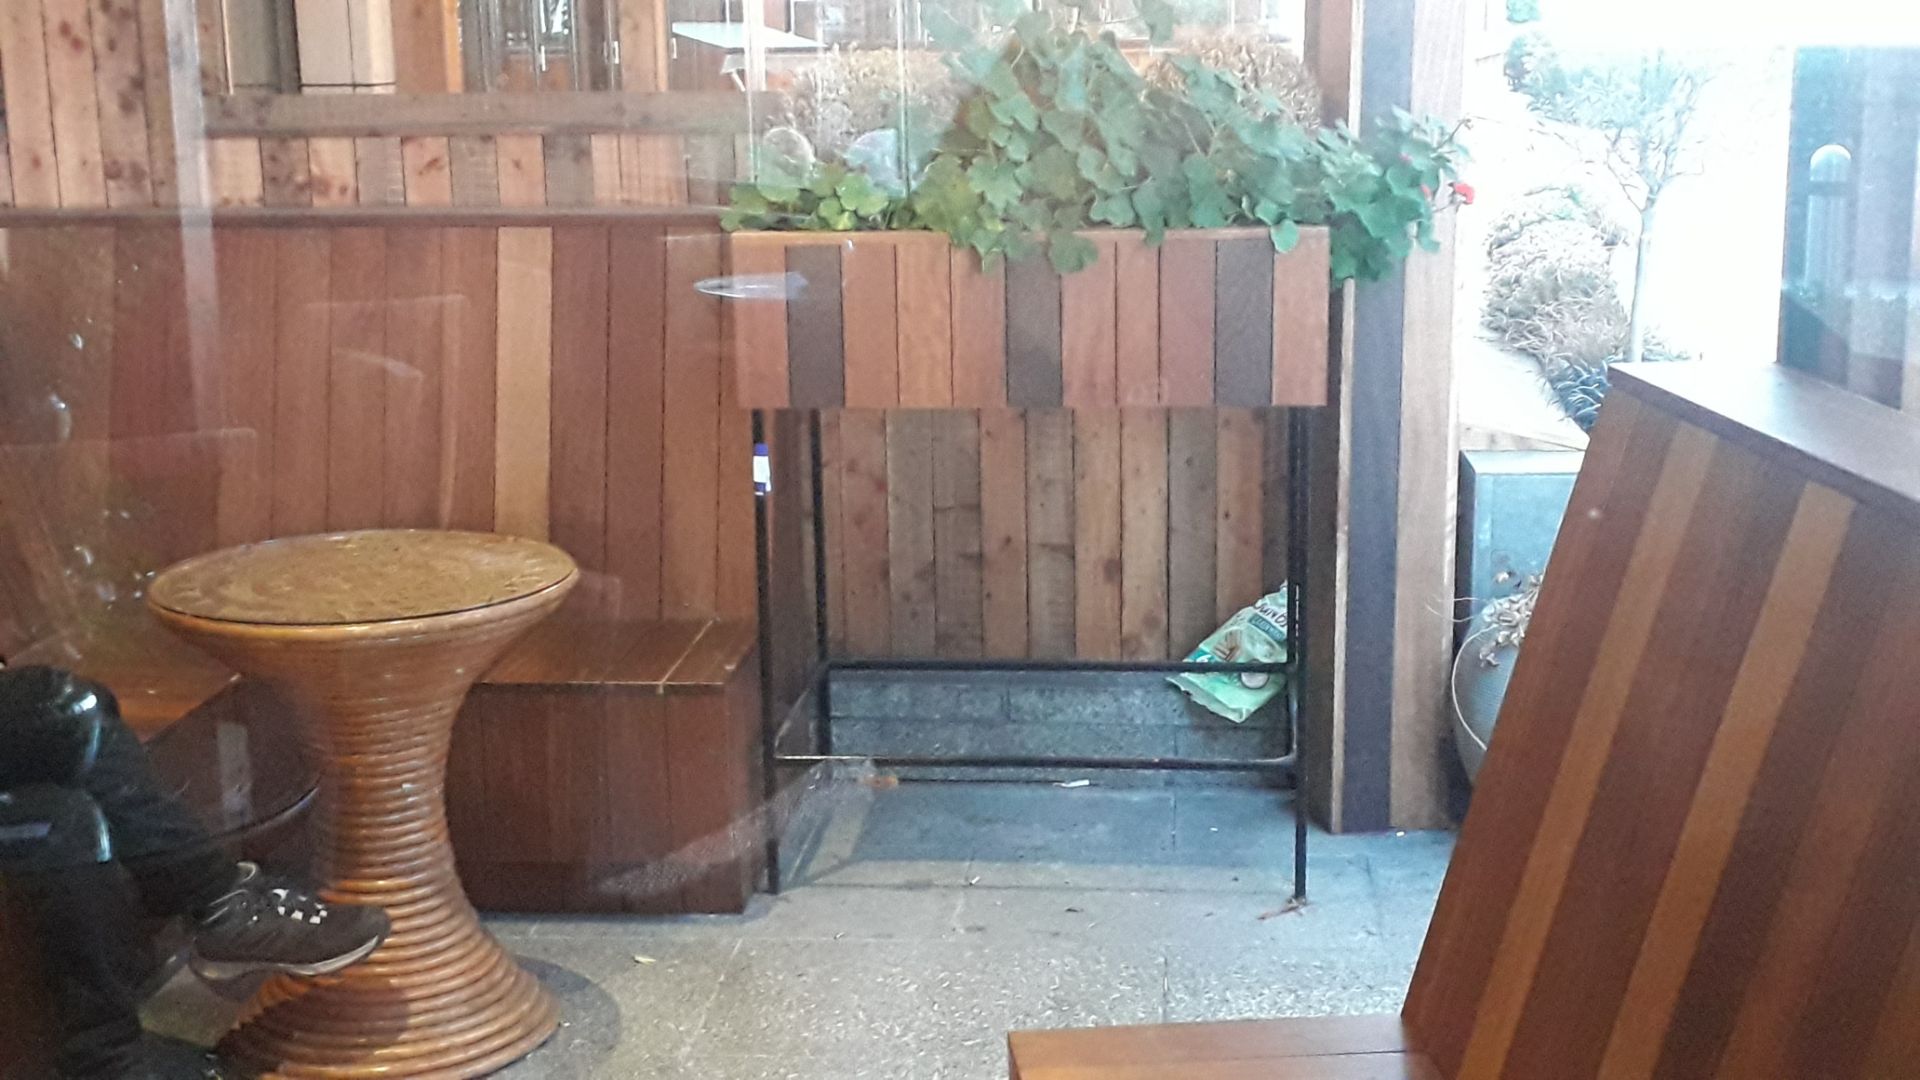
1463, 191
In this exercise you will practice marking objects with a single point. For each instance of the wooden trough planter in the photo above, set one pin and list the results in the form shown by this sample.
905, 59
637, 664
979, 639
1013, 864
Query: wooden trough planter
903, 319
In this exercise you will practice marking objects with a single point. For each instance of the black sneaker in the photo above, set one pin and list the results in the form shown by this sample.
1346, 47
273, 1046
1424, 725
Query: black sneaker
272, 924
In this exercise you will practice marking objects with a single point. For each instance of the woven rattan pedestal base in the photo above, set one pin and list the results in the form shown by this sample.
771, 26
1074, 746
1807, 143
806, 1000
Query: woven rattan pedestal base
378, 636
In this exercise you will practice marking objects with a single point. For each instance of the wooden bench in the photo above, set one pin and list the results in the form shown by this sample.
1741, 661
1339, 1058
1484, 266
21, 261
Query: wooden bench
1693, 846
612, 766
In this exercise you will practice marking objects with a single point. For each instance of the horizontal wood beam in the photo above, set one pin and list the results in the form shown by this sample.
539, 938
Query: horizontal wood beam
280, 115
343, 217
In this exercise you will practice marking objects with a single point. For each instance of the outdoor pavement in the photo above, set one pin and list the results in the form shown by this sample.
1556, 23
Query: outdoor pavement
929, 919
925, 920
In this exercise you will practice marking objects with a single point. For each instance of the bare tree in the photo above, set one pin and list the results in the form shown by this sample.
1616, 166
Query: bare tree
1645, 108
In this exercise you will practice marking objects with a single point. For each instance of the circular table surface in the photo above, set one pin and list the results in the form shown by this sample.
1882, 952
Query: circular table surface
344, 579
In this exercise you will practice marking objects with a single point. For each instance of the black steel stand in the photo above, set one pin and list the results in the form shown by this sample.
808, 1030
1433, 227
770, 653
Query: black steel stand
1288, 768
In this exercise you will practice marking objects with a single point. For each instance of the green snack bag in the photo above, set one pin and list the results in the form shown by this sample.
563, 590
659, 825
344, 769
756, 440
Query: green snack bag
1256, 634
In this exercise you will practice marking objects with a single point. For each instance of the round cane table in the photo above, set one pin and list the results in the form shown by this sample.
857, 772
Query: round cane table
379, 635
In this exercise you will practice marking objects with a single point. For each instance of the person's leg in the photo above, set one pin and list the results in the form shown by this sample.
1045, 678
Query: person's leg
243, 920
87, 923
178, 867
82, 917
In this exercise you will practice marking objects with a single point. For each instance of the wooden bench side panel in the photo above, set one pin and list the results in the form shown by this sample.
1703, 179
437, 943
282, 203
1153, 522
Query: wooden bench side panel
634, 793
1692, 847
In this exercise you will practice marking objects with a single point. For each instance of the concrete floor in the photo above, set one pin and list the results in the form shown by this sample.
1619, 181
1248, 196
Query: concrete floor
926, 920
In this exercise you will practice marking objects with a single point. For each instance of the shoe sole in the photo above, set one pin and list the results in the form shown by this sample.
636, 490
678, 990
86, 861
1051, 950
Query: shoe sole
227, 970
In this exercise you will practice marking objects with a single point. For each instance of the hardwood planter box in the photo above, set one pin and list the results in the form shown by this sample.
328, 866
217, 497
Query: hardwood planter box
904, 319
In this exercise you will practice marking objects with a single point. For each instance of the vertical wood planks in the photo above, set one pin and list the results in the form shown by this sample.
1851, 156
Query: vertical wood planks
1034, 376
415, 374
167, 150
302, 352
979, 332
356, 405
523, 374
1050, 533
606, 170
1240, 521
921, 325
578, 421
1088, 348
958, 629
568, 161
236, 172
474, 170
1143, 534
125, 157
756, 317
832, 508
1192, 495
522, 171
6, 170
1243, 291
736, 591
76, 106
814, 338
923, 300
863, 520
1300, 330
869, 314
335, 171
426, 162
471, 266
245, 261
1186, 320
1003, 529
286, 175
379, 174
29, 100
1097, 518
910, 536
636, 417
689, 569
1137, 319
653, 170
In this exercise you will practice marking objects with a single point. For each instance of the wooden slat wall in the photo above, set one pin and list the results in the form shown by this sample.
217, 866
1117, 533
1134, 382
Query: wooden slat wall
992, 554
90, 123
517, 379
1692, 851
1104, 534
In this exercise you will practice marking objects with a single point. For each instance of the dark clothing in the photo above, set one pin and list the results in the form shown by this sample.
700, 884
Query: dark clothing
97, 957
177, 867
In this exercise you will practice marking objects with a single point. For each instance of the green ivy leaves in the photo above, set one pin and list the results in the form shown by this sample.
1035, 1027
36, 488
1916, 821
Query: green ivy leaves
1063, 135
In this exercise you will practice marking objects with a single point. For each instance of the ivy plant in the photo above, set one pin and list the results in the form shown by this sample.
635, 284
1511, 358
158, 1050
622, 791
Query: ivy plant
1061, 134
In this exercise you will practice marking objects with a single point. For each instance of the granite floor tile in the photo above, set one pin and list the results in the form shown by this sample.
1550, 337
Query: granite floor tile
839, 1000
1257, 920
925, 921
626, 995
1232, 982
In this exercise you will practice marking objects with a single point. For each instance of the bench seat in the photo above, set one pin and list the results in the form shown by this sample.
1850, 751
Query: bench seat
1319, 1048
612, 766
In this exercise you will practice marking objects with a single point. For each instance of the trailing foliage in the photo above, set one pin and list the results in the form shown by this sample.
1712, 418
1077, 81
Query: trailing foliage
1059, 133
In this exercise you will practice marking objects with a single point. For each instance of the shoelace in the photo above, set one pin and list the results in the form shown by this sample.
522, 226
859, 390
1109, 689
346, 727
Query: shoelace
297, 904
